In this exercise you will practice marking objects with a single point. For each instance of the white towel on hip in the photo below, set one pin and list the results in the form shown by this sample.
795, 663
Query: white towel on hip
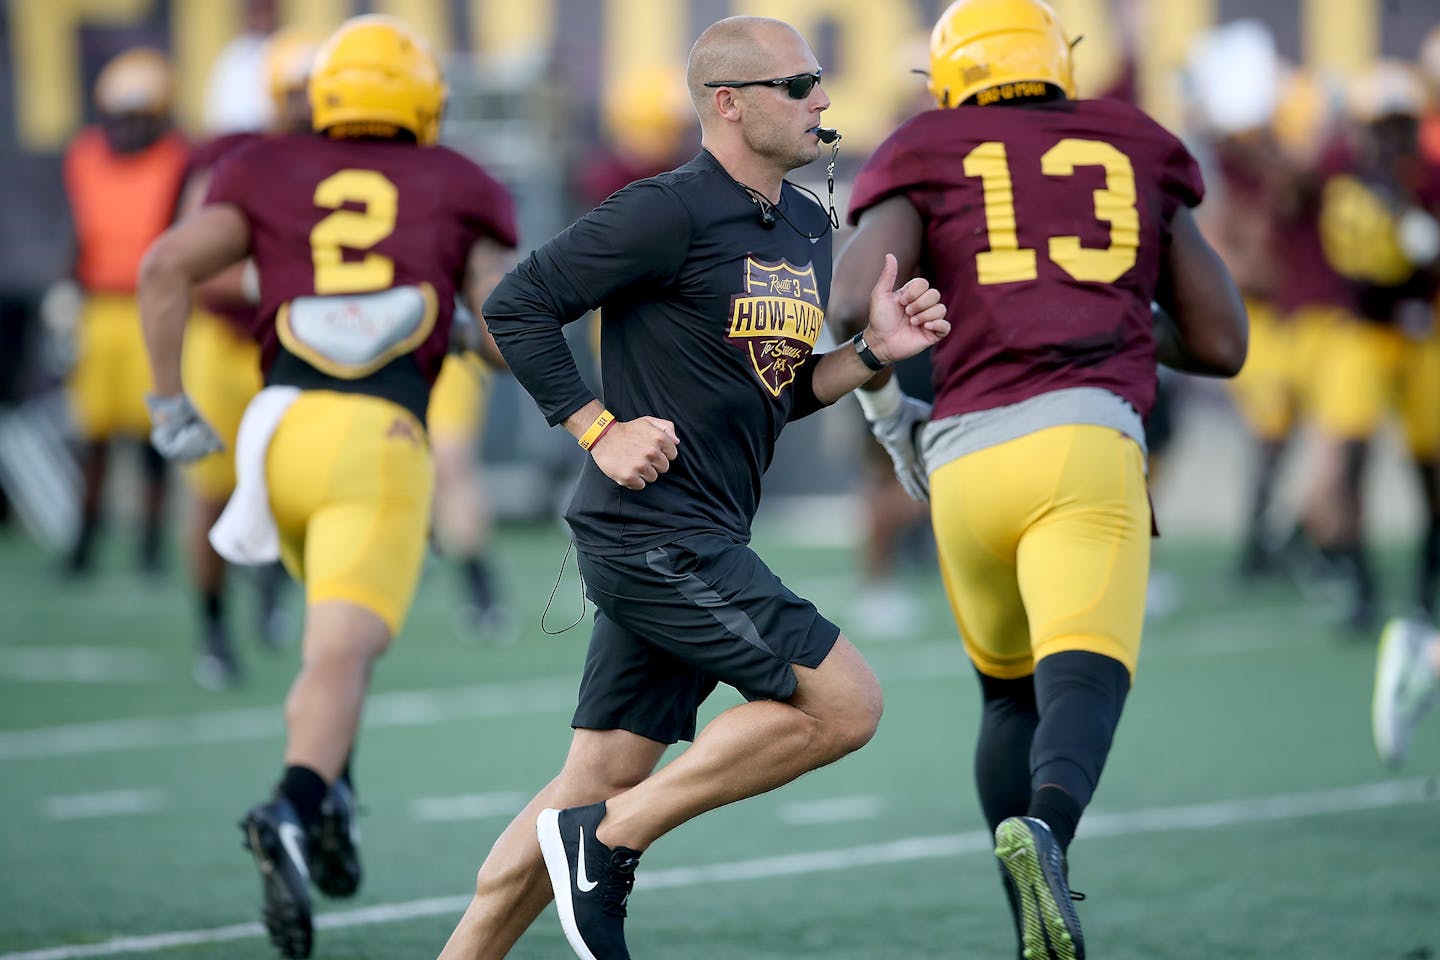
245, 532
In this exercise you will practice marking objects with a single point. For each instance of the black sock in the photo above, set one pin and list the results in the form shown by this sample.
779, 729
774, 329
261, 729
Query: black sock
271, 580
305, 789
345, 770
1059, 811
479, 581
1080, 696
212, 607
1002, 750
81, 550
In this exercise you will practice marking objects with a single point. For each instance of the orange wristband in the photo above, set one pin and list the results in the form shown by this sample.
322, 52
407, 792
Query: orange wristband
596, 430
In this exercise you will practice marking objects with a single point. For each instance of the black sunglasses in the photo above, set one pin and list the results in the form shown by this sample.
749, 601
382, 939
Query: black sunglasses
797, 87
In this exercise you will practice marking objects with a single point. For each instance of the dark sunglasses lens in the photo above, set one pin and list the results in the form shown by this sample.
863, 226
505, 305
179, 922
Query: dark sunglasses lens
801, 86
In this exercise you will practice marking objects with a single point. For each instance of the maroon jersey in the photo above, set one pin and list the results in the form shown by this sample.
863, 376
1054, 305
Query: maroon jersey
357, 217
1044, 232
1304, 277
209, 153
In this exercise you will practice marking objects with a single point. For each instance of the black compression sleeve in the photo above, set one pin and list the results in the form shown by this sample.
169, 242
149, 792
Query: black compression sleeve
806, 402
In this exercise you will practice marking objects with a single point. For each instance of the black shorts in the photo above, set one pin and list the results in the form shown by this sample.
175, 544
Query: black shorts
674, 621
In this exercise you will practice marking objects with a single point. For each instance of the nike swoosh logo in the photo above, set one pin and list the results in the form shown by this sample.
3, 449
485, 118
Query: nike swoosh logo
582, 882
292, 840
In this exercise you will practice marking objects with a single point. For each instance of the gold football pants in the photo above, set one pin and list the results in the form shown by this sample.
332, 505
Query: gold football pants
1044, 546
350, 482
111, 376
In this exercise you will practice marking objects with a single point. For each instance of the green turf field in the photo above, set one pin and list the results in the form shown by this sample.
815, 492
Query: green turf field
1243, 814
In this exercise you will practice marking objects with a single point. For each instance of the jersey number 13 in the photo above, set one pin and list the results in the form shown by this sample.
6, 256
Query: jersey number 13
1008, 262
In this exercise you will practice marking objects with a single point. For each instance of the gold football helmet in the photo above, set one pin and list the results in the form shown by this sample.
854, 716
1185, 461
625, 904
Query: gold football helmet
999, 49
137, 81
647, 110
375, 71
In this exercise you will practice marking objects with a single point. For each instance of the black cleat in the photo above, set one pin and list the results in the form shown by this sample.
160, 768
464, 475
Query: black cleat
274, 836
592, 882
1050, 928
335, 844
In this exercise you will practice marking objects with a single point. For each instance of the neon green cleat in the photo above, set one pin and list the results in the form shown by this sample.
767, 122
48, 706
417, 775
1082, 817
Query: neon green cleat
1049, 925
1405, 687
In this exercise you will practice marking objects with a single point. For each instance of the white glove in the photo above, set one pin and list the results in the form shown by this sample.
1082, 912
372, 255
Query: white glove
60, 311
895, 420
178, 431
1419, 237
60, 308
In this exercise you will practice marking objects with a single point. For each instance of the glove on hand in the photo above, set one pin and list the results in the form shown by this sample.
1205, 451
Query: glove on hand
178, 431
898, 433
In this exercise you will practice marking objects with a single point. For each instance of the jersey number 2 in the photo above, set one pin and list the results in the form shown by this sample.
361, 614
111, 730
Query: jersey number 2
1008, 262
353, 230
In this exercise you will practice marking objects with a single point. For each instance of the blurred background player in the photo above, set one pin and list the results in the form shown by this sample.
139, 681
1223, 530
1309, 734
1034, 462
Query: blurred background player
1233, 107
1378, 228
360, 259
123, 179
1313, 303
1407, 685
1052, 225
463, 521
647, 127
222, 371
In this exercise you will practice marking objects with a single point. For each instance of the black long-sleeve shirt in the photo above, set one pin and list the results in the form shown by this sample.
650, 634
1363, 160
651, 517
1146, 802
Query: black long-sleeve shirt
708, 319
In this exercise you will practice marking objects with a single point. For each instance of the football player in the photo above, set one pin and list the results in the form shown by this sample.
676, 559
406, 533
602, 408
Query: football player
362, 236
1379, 231
1052, 224
123, 178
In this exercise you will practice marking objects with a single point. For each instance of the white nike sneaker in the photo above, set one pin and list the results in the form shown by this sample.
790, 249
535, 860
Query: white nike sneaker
1405, 687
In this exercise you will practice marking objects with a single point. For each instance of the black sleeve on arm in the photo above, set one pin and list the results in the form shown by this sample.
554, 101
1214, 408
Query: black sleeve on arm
806, 402
639, 235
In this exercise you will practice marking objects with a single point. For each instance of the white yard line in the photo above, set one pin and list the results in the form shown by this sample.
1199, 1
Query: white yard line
1205, 816
111, 803
471, 806
77, 664
834, 810
401, 709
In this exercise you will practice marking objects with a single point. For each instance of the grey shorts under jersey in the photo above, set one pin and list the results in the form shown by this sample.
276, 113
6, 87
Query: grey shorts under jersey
676, 620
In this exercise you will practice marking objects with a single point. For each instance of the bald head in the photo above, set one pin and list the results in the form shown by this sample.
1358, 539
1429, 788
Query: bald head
737, 48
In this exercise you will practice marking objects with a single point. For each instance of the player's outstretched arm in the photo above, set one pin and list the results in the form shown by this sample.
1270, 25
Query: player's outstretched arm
199, 246
892, 226
1203, 328
488, 262
207, 241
